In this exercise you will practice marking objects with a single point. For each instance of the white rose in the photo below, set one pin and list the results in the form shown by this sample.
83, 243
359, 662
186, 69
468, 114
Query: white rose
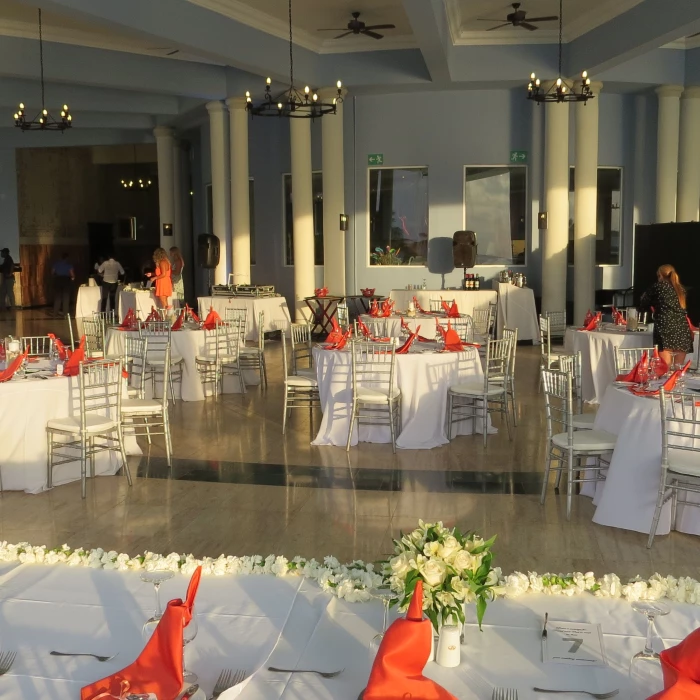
610, 587
516, 585
447, 600
493, 576
400, 565
472, 544
459, 590
463, 561
433, 571
280, 566
449, 547
431, 549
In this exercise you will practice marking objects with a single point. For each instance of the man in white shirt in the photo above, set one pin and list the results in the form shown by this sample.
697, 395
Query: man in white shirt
110, 270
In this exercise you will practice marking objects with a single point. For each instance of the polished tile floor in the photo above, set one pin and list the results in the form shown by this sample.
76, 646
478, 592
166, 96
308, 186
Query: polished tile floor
238, 486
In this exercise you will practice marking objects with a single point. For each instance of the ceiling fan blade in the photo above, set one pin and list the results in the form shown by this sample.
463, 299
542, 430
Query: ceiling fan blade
484, 19
337, 29
172, 53
528, 26
694, 35
340, 36
507, 24
552, 18
382, 26
374, 35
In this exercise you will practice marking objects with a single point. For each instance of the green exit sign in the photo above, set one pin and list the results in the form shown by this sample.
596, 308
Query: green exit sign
375, 159
518, 156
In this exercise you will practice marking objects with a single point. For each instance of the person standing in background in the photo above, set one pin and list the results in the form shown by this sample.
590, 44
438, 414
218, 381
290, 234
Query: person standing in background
161, 278
110, 270
63, 276
7, 280
178, 265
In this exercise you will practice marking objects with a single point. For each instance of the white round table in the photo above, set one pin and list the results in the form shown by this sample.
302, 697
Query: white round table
422, 377
277, 316
187, 344
627, 497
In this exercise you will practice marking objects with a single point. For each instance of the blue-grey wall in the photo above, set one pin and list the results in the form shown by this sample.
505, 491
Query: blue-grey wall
9, 223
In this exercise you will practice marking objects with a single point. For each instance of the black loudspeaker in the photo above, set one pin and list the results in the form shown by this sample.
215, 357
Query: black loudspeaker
208, 250
464, 248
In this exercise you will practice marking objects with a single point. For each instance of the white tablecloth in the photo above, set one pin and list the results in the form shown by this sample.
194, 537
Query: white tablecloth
258, 621
627, 498
277, 316
466, 301
88, 301
516, 309
423, 379
25, 408
187, 344
142, 302
427, 324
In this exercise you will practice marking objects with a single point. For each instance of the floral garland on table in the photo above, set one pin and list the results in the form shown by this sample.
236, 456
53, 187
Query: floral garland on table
354, 581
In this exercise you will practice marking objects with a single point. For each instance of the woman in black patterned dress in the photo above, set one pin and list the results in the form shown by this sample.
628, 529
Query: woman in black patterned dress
671, 330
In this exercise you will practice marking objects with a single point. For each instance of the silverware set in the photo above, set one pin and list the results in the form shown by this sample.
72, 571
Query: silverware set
6, 660
94, 656
600, 696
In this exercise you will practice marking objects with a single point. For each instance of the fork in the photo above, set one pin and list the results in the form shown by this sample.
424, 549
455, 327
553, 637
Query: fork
227, 679
504, 694
68, 653
6, 660
600, 696
323, 674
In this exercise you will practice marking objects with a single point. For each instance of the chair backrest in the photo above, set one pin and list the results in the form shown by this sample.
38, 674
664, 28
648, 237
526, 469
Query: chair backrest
237, 314
464, 326
224, 340
436, 304
696, 353
497, 361
300, 334
373, 365
512, 335
108, 318
94, 335
557, 323
100, 389
493, 305
626, 358
483, 321
37, 345
545, 342
134, 361
559, 403
377, 327
572, 365
680, 425
343, 314
70, 329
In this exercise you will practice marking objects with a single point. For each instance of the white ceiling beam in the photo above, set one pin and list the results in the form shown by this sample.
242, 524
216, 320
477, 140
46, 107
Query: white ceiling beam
430, 26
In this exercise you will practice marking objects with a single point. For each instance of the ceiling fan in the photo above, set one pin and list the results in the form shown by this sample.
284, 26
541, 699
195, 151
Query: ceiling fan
517, 19
169, 49
357, 26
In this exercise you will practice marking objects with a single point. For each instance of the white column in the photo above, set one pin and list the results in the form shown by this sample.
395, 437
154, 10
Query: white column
178, 204
333, 197
642, 208
302, 206
165, 140
220, 192
556, 236
667, 152
689, 157
537, 198
240, 200
585, 204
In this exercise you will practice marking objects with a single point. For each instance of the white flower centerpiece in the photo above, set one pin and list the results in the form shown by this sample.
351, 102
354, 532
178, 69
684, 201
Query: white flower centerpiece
455, 569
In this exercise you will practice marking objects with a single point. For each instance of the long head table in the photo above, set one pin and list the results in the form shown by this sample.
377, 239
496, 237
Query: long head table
252, 622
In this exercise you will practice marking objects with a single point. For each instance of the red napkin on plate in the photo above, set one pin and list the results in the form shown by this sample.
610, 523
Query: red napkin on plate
336, 334
631, 376
453, 342
668, 385
618, 317
403, 350
681, 669
363, 328
129, 321
453, 311
180, 319
661, 366
340, 344
387, 308
418, 306
592, 323
397, 672
72, 366
158, 669
60, 347
153, 316
211, 320
8, 373
589, 317
374, 308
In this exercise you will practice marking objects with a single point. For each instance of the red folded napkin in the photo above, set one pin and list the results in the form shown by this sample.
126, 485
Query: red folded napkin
211, 320
363, 328
618, 318
158, 669
668, 385
632, 375
681, 669
180, 319
60, 347
453, 311
336, 334
397, 672
592, 323
341, 343
661, 365
589, 317
153, 316
8, 373
387, 308
419, 307
441, 330
72, 366
374, 308
690, 324
453, 343
403, 350
129, 321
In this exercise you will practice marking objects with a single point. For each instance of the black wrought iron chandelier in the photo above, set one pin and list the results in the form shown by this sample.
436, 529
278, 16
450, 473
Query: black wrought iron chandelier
43, 121
560, 90
292, 103
136, 183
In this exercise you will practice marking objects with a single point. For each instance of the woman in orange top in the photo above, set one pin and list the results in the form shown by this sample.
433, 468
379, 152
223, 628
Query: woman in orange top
162, 277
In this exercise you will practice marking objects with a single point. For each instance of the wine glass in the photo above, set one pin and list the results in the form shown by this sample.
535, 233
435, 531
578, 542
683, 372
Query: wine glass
156, 578
386, 596
643, 375
188, 635
645, 667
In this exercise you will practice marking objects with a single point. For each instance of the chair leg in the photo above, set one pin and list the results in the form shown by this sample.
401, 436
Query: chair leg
450, 400
674, 503
547, 469
172, 386
49, 460
507, 416
241, 380
91, 447
485, 419
83, 467
352, 425
569, 483
125, 462
657, 515
166, 437
284, 412
148, 429
512, 399
392, 429
263, 367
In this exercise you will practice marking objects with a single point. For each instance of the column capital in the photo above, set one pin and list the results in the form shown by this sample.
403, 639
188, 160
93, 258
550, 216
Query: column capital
236, 103
163, 132
691, 92
669, 90
215, 107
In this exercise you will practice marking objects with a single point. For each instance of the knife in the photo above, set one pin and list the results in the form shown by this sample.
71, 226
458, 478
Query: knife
544, 629
190, 692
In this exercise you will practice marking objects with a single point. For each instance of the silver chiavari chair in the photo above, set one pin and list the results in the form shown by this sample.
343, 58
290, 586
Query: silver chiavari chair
436, 304
134, 362
234, 332
159, 337
238, 315
253, 358
557, 323
463, 325
300, 390
343, 314
302, 355
483, 324
37, 345
93, 331
512, 335
572, 365
378, 327
221, 355
627, 358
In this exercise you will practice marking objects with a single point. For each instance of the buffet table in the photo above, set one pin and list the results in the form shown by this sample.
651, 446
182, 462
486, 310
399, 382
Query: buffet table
26, 405
89, 301
516, 309
466, 301
627, 497
142, 301
252, 622
277, 316
422, 377
187, 344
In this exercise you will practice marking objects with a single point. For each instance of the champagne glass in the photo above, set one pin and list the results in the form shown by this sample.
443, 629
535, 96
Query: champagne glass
643, 376
156, 578
188, 635
645, 667
386, 596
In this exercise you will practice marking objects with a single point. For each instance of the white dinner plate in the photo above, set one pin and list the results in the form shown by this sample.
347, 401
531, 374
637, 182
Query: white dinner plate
621, 383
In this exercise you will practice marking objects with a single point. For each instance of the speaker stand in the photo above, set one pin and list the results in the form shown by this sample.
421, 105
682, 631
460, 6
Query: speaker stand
442, 284
209, 280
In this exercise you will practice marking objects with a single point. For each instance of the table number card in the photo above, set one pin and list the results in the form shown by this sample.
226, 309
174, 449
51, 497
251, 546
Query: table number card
577, 643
